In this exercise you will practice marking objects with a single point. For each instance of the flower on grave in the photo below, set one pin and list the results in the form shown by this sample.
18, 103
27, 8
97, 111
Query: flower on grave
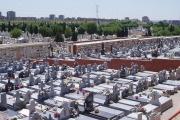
56, 114
55, 101
141, 109
54, 108
104, 68
148, 95
11, 78
136, 97
92, 84
147, 82
164, 91
74, 113
108, 81
154, 83
14, 118
119, 96
147, 101
67, 78
5, 78
21, 85
150, 89
72, 89
47, 107
77, 91
87, 94
76, 103
111, 102
83, 91
140, 94
96, 110
115, 79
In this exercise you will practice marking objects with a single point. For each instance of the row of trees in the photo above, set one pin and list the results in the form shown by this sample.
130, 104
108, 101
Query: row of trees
56, 30
162, 29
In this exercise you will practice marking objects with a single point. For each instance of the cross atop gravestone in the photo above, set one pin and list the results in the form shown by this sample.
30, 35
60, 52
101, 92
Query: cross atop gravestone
155, 98
31, 106
42, 85
18, 95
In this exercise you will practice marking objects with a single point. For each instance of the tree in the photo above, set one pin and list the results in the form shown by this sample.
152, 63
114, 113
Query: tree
149, 32
45, 31
31, 29
74, 36
107, 31
81, 29
9, 26
68, 32
15, 33
99, 30
36, 30
59, 38
91, 28
56, 29
126, 32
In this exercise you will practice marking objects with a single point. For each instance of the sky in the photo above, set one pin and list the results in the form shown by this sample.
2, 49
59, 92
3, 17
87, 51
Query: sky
111, 9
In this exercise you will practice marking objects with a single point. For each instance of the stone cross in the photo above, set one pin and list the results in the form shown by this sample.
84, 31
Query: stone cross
18, 95
155, 98
41, 85
31, 106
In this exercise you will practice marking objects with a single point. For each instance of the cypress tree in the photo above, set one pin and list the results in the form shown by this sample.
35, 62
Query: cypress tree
59, 37
149, 32
126, 32
74, 36
9, 26
4, 27
31, 29
1, 27
36, 30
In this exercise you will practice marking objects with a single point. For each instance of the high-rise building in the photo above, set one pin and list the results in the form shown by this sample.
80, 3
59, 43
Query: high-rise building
0, 15
11, 15
145, 19
52, 17
61, 17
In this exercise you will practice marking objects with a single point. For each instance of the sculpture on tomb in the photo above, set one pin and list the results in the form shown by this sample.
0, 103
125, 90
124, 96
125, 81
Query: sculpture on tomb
88, 104
102, 50
122, 71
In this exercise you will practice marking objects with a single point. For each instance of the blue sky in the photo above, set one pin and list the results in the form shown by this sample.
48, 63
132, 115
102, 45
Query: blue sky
118, 9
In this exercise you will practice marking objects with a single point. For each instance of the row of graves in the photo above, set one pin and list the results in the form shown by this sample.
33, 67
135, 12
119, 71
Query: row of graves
31, 91
166, 49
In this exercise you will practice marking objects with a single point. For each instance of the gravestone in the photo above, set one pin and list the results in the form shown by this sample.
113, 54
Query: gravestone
31, 106
142, 68
27, 97
3, 101
42, 85
89, 68
35, 116
88, 104
178, 73
18, 95
155, 98
83, 69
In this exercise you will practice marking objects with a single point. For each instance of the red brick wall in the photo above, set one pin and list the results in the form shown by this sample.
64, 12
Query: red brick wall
152, 65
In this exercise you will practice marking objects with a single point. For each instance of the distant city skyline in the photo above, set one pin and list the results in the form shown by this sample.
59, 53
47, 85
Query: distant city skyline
114, 9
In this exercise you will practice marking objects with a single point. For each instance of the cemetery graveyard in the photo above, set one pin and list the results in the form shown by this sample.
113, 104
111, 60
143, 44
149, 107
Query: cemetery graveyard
30, 91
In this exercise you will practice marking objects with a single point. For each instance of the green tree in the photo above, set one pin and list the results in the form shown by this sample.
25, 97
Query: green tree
77, 24
81, 29
149, 32
31, 29
59, 37
36, 30
99, 30
68, 32
107, 31
9, 26
45, 31
91, 28
15, 33
126, 32
56, 29
74, 36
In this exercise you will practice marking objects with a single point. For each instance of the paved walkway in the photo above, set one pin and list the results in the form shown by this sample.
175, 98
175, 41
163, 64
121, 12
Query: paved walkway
176, 106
